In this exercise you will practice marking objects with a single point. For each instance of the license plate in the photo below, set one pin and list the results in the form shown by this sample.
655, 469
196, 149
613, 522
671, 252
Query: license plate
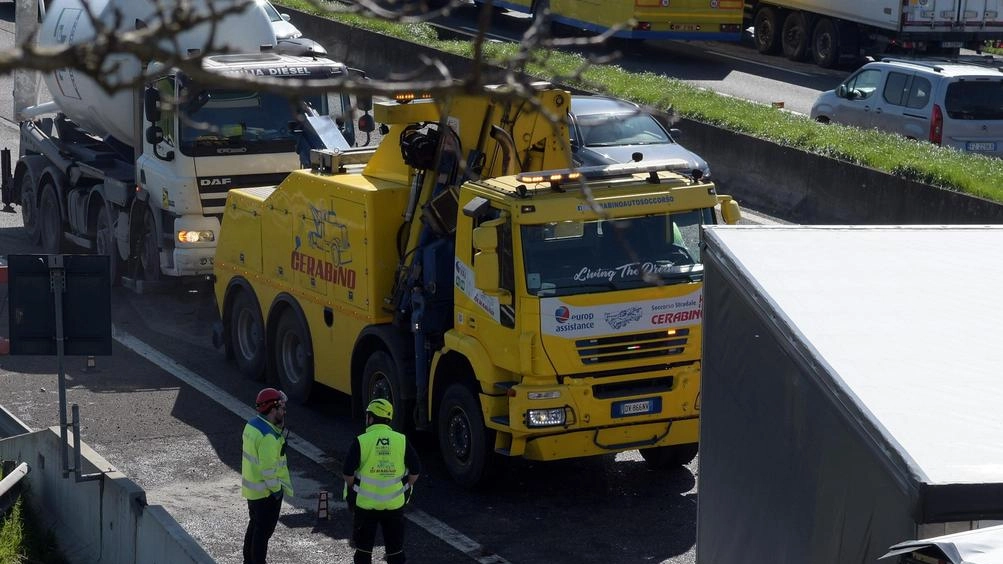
646, 406
983, 146
951, 44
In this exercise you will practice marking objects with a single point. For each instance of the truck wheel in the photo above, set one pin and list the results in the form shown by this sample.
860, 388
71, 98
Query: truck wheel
294, 357
29, 208
51, 222
247, 335
465, 442
149, 252
380, 379
767, 31
794, 37
825, 45
104, 242
669, 456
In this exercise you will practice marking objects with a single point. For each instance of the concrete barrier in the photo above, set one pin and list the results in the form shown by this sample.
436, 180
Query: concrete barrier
105, 521
789, 183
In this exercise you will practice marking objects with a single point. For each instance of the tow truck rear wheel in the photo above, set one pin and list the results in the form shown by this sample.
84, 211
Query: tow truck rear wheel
247, 335
51, 224
29, 208
669, 456
466, 444
293, 357
380, 379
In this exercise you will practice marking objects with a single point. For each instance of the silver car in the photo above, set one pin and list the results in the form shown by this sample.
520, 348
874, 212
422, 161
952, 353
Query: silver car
280, 22
609, 131
950, 103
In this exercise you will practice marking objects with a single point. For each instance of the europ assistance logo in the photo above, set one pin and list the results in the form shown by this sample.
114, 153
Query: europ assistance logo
578, 321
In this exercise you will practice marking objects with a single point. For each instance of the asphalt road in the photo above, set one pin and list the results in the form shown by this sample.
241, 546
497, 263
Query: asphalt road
734, 69
167, 410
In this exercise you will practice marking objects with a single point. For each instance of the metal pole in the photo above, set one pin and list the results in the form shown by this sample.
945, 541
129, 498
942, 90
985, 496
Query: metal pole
5, 180
57, 284
14, 477
77, 466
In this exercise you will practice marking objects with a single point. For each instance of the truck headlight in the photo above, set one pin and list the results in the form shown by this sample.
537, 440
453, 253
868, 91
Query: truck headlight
196, 236
545, 417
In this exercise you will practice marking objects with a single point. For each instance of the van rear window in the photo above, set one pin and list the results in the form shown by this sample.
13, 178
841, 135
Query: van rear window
981, 100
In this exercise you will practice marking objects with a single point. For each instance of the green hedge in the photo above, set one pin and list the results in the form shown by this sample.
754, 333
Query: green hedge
918, 160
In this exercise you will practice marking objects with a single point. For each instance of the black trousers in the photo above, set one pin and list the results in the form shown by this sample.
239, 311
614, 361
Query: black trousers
264, 515
364, 534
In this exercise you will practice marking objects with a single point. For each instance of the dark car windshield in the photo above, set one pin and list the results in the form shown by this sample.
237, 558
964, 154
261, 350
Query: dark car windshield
577, 257
219, 121
975, 100
606, 130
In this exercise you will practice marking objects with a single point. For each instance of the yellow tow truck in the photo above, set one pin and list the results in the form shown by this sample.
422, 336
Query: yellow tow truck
546, 315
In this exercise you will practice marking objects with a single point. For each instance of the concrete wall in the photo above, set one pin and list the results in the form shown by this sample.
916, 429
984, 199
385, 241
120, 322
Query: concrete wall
105, 521
789, 183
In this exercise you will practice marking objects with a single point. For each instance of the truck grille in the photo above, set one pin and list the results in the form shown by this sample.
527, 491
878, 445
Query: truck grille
632, 347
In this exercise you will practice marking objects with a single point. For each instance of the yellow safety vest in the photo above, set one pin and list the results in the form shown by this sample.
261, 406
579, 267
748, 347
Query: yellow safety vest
263, 468
379, 478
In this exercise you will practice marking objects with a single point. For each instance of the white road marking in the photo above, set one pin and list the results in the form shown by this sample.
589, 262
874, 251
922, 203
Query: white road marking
751, 62
437, 528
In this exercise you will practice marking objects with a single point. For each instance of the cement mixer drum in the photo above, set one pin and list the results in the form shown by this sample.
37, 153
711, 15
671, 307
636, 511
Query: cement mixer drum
103, 113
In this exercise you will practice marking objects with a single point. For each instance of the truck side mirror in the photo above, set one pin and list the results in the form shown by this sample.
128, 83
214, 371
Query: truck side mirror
730, 211
841, 91
487, 273
154, 135
151, 105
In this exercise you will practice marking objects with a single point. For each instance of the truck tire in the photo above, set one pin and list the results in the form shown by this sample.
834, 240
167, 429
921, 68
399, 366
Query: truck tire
293, 354
104, 242
669, 456
50, 220
29, 208
767, 31
149, 248
247, 335
381, 379
825, 45
465, 442
794, 37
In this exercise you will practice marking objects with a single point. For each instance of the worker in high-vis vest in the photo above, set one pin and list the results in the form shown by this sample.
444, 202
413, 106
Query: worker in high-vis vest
380, 471
265, 472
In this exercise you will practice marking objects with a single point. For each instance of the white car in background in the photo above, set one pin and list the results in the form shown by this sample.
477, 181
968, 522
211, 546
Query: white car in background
280, 22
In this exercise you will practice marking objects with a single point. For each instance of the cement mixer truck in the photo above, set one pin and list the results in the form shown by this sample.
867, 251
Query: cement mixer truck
141, 174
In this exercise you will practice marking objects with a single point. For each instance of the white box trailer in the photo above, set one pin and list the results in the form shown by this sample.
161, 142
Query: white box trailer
926, 16
853, 390
831, 31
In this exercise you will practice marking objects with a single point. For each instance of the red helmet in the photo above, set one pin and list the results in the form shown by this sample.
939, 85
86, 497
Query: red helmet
267, 399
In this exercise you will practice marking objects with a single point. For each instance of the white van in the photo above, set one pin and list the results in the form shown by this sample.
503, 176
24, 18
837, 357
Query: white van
956, 104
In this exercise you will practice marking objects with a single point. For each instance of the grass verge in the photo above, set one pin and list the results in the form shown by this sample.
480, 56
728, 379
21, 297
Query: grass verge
23, 539
917, 160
